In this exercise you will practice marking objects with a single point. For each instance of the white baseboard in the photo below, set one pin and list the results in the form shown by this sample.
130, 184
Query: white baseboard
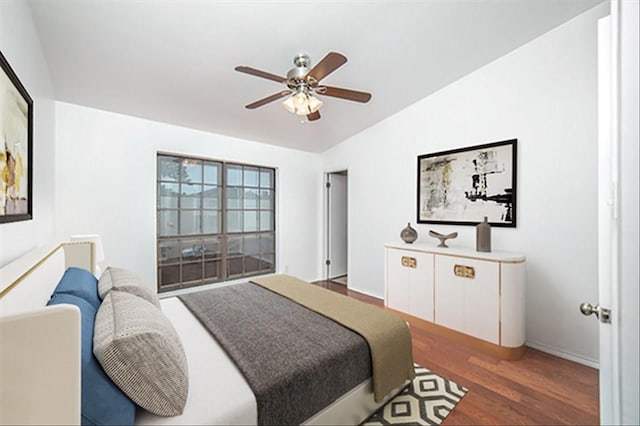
377, 296
563, 354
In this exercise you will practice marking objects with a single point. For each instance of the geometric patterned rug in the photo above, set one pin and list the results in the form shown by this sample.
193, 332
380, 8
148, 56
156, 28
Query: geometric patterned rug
427, 400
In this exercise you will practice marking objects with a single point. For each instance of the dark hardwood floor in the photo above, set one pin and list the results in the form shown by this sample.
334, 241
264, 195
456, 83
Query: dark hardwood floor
538, 389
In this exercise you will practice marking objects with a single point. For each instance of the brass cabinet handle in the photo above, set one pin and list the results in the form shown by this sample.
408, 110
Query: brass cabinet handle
464, 271
409, 262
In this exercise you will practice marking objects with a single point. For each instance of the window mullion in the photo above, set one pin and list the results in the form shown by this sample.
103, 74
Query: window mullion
223, 222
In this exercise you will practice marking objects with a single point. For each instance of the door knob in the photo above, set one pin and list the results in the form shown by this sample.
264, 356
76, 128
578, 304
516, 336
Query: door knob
588, 309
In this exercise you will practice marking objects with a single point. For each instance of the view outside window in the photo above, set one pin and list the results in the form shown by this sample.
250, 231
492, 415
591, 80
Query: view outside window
216, 221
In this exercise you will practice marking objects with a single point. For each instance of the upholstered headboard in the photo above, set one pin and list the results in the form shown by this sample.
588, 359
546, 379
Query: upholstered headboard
40, 345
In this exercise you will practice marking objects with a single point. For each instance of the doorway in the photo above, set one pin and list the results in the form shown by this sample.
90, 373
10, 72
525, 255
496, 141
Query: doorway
336, 226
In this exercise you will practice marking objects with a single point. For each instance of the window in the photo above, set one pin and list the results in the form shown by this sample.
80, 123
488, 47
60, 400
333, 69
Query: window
216, 221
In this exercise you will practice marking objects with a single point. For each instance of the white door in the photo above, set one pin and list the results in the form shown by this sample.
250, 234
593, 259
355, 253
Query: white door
618, 260
337, 224
607, 225
627, 18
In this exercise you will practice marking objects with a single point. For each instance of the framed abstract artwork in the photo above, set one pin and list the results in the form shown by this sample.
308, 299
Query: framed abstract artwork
16, 147
462, 186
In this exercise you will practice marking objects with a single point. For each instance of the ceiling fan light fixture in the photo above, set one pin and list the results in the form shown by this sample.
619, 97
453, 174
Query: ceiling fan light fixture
302, 82
302, 103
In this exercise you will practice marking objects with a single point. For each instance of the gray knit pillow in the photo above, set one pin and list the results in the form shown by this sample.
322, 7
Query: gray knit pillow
141, 352
127, 281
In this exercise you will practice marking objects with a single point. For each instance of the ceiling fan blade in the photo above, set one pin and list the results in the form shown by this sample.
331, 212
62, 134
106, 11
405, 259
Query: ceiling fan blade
326, 66
268, 99
259, 73
313, 116
348, 94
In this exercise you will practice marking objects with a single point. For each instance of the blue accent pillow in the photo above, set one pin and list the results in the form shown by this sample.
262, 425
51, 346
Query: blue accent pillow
81, 283
103, 403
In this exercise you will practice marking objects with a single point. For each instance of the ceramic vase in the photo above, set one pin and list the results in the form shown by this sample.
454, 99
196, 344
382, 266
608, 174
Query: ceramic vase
483, 236
408, 234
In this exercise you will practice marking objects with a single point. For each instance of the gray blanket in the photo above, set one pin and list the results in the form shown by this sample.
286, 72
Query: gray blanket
295, 360
386, 334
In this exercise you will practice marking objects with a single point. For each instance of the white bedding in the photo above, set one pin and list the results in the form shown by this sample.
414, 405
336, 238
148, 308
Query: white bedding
218, 393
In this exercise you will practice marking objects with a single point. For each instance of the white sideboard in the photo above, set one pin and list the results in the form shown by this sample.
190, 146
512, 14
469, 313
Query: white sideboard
477, 298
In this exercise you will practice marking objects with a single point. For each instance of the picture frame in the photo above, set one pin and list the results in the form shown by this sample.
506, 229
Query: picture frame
16, 147
462, 186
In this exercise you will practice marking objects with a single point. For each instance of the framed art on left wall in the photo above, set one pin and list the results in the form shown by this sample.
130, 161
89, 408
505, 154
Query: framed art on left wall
16, 147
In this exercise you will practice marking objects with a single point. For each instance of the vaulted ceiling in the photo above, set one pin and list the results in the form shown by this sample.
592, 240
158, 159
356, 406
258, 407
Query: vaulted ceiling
173, 60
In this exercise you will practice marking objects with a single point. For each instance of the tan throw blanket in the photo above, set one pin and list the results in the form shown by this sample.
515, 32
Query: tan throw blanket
388, 336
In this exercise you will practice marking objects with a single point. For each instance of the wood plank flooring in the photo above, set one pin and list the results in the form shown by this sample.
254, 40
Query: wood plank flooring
538, 389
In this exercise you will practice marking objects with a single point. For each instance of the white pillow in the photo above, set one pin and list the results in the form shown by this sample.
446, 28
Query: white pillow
142, 353
124, 280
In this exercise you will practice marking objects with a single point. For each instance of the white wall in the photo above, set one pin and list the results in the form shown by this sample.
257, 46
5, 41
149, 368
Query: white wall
106, 184
20, 45
545, 95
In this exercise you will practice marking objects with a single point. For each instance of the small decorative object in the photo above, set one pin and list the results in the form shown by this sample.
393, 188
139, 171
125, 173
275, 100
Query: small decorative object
483, 236
443, 238
408, 234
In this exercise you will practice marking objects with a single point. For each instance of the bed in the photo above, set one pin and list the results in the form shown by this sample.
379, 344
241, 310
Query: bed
41, 367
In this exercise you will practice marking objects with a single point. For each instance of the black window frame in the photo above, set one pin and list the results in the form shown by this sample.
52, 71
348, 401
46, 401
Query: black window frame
198, 258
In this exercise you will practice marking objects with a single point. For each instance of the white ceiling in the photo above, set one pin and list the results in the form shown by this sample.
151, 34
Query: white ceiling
172, 61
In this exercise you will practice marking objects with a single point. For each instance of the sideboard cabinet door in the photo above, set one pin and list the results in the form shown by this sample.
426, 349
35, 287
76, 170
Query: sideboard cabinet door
409, 283
397, 282
467, 296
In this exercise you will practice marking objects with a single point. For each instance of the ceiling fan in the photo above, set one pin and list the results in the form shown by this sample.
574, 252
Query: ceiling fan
303, 82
